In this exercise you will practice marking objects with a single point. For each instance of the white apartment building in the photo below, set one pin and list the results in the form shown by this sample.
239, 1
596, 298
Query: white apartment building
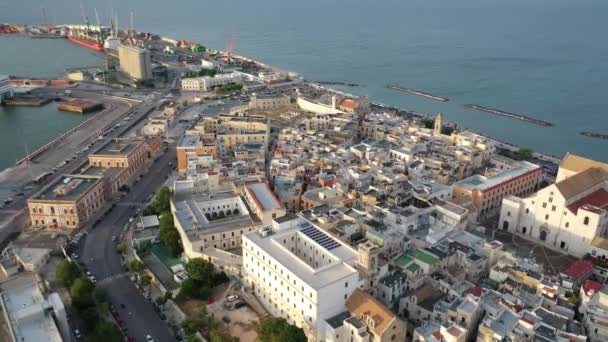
568, 215
299, 272
207, 83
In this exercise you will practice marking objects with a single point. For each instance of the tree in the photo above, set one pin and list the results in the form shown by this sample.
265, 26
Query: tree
101, 296
82, 293
145, 280
89, 316
122, 247
200, 270
523, 153
278, 329
66, 273
162, 201
106, 332
168, 235
427, 123
136, 266
188, 289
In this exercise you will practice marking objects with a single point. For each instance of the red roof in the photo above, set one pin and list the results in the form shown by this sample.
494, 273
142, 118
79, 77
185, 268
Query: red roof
578, 269
438, 335
349, 104
589, 285
475, 291
598, 198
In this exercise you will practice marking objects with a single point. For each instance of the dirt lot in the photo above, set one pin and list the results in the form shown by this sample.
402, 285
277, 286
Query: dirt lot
242, 322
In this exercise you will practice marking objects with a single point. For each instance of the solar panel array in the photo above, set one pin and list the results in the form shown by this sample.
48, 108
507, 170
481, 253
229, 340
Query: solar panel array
320, 238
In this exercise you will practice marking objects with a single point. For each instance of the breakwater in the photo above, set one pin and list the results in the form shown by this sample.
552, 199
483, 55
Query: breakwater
416, 92
515, 116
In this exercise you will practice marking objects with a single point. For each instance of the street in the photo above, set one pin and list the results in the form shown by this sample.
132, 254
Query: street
99, 254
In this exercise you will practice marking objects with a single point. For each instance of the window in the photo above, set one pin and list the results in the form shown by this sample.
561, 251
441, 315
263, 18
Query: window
546, 217
553, 208
544, 205
508, 213
346, 284
562, 244
567, 224
586, 221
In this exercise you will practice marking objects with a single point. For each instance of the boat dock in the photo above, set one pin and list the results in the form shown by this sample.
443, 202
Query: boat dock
516, 116
338, 83
27, 101
79, 106
595, 135
416, 92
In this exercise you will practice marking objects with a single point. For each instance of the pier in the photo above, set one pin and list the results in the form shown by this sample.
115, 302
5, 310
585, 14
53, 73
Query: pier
516, 116
416, 92
338, 83
27, 101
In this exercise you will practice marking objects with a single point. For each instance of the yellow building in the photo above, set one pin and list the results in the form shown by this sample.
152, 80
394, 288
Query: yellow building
68, 202
231, 131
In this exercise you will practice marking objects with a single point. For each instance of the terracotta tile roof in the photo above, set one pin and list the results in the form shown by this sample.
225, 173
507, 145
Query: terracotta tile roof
438, 335
475, 291
598, 199
349, 104
363, 305
590, 285
578, 269
581, 182
575, 163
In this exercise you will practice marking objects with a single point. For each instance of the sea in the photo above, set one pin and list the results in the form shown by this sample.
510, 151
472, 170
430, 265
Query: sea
544, 58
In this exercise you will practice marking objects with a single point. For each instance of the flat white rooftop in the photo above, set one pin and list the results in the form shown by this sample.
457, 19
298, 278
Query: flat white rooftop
264, 196
24, 305
317, 278
479, 182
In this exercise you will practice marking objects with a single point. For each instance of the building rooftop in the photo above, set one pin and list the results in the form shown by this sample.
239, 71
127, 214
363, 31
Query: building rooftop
67, 188
263, 196
479, 182
581, 182
578, 269
365, 306
198, 213
343, 257
108, 172
25, 307
338, 320
575, 163
118, 147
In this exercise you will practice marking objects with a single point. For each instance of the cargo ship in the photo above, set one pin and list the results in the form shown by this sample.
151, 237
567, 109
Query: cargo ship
92, 37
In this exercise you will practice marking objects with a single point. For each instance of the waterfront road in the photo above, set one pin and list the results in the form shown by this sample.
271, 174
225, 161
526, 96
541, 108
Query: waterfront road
99, 254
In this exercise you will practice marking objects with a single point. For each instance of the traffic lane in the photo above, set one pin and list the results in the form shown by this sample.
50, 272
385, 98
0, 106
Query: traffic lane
138, 315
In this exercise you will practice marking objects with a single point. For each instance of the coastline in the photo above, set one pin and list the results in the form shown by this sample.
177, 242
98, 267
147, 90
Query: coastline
327, 87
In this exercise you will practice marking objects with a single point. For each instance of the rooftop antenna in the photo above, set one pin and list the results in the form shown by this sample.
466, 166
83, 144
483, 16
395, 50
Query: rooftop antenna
44, 18
97, 18
131, 32
230, 47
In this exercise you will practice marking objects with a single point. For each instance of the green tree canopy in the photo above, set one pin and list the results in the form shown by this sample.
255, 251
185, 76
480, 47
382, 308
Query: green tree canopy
201, 270
145, 280
136, 266
162, 201
168, 235
523, 153
82, 293
106, 332
66, 273
279, 330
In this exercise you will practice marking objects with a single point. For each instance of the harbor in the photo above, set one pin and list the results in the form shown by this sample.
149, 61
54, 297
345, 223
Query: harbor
515, 116
416, 92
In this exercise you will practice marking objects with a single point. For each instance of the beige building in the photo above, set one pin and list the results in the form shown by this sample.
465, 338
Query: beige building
263, 202
268, 102
231, 131
68, 202
135, 62
216, 221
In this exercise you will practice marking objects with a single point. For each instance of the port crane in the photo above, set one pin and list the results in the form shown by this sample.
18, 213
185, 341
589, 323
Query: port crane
230, 47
